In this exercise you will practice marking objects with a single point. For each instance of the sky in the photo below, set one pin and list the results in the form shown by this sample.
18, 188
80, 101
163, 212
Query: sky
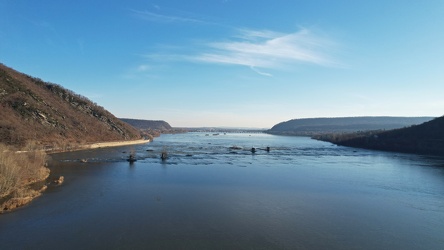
234, 63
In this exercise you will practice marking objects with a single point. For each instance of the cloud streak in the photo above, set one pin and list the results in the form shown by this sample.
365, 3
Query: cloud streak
269, 50
154, 17
260, 50
260, 72
143, 68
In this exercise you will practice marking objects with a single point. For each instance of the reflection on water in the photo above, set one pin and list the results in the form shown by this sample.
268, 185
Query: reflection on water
213, 193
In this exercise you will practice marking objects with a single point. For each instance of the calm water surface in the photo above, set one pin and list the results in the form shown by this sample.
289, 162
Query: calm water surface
303, 194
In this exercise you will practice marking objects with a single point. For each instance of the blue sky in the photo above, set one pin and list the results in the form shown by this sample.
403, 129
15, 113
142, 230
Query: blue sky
234, 63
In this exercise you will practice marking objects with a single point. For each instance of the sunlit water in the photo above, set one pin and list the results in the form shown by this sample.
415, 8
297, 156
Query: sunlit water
303, 194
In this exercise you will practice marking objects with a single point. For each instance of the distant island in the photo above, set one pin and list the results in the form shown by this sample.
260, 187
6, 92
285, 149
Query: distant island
225, 130
316, 126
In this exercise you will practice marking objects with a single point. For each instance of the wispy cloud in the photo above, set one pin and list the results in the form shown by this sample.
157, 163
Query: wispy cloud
260, 50
260, 72
155, 17
268, 49
140, 71
143, 68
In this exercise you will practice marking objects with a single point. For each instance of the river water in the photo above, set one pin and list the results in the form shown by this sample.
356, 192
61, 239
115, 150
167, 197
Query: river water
303, 194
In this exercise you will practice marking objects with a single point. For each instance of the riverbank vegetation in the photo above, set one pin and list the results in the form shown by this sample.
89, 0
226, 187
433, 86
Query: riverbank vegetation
20, 171
343, 125
426, 138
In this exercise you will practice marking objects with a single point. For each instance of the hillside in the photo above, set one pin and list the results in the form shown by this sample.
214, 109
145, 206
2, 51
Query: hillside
313, 126
427, 138
46, 113
147, 124
150, 128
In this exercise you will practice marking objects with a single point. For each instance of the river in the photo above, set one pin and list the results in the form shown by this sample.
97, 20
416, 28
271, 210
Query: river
302, 194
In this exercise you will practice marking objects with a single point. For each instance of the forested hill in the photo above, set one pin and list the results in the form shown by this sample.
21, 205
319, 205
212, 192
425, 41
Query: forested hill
147, 124
313, 126
427, 138
47, 113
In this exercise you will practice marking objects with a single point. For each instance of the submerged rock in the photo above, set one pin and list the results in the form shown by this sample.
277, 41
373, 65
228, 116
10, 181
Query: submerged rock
164, 155
59, 180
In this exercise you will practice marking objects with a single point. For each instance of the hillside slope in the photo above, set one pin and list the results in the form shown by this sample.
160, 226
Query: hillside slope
427, 138
313, 126
147, 124
51, 115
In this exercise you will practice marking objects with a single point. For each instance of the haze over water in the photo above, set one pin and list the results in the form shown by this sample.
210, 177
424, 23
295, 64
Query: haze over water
303, 194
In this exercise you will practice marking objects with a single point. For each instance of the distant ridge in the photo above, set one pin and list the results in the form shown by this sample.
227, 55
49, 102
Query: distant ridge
147, 124
313, 126
427, 138
48, 114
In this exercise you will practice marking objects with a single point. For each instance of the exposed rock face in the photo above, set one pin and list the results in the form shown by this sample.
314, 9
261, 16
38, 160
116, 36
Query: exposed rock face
32, 109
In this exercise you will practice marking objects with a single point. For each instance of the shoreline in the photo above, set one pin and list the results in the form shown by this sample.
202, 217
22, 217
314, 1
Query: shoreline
114, 144
97, 145
9, 203
25, 193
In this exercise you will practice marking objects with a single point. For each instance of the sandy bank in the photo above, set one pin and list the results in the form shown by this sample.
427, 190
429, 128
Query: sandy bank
94, 145
114, 144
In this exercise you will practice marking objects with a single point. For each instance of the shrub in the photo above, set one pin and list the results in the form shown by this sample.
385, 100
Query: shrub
9, 171
18, 169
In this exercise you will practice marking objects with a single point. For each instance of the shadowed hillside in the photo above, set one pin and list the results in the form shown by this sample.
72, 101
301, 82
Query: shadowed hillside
147, 124
150, 128
34, 110
314, 126
427, 138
